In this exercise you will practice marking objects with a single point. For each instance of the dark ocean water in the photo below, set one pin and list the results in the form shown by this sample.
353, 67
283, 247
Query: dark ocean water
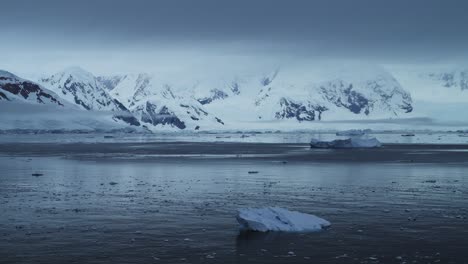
182, 210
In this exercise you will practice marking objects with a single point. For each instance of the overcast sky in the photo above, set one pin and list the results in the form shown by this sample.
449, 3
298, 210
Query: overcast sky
109, 35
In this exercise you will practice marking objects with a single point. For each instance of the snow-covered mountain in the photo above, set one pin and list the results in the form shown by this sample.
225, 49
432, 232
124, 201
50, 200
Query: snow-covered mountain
378, 94
80, 87
158, 105
435, 84
451, 79
222, 102
439, 91
14, 88
26, 105
275, 98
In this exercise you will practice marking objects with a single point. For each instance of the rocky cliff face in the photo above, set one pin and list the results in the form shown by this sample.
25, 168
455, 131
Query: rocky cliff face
299, 110
13, 87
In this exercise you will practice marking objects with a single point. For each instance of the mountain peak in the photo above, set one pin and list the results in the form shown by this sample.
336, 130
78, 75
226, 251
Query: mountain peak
7, 74
82, 88
78, 73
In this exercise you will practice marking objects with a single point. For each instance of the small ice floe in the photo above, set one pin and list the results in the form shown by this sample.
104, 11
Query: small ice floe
279, 219
353, 132
347, 143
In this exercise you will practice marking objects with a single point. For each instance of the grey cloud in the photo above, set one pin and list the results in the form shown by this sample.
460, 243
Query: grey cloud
404, 30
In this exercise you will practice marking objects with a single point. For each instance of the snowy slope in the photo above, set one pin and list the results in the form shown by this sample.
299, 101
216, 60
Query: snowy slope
438, 84
225, 100
80, 87
440, 91
284, 94
457, 78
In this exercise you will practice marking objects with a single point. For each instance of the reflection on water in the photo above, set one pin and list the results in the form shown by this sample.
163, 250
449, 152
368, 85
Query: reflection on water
183, 211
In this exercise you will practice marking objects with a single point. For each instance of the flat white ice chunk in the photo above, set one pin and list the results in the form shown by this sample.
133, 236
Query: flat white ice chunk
353, 132
279, 219
347, 143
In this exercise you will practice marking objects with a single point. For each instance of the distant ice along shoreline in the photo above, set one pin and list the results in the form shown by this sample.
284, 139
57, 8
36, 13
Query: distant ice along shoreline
299, 137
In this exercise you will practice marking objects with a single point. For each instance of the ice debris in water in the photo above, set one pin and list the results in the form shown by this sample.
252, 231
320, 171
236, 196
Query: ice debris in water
279, 219
353, 132
347, 143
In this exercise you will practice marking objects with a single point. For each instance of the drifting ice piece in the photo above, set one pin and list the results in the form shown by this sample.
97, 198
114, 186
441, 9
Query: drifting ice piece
279, 219
347, 143
353, 132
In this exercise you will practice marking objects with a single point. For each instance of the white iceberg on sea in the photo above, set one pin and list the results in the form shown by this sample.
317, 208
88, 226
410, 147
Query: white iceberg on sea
347, 143
353, 132
279, 219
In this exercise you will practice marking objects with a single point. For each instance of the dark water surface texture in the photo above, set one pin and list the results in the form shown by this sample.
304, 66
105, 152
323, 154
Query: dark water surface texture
88, 207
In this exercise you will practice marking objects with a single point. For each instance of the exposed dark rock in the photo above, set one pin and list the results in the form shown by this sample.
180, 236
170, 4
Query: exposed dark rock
199, 111
265, 81
263, 95
355, 102
120, 106
163, 116
129, 119
299, 111
215, 95
235, 88
464, 80
458, 79
26, 89
219, 121
407, 107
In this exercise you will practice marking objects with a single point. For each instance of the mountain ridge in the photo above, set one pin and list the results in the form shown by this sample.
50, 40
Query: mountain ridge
233, 100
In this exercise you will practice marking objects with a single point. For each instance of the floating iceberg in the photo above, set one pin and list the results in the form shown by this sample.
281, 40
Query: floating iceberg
347, 143
353, 132
279, 219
